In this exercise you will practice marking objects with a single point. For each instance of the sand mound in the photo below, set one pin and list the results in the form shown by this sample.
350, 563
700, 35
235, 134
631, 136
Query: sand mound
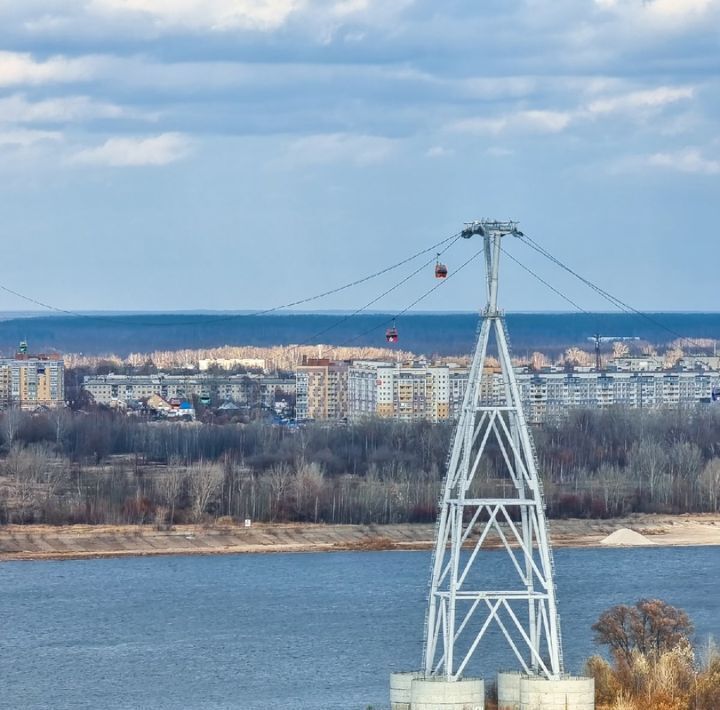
626, 537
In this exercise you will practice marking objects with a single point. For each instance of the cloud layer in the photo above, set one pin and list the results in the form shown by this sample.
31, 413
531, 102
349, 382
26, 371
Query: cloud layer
331, 106
355, 70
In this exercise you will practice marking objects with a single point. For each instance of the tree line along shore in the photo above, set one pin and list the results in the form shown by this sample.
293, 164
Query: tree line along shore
97, 467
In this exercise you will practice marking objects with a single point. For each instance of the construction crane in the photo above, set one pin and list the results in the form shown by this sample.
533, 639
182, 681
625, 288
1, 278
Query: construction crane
597, 338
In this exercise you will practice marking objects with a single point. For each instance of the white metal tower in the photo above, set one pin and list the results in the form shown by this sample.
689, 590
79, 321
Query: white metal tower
465, 598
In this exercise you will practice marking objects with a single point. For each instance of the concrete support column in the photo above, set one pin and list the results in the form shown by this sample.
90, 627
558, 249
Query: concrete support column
567, 693
400, 690
441, 694
508, 689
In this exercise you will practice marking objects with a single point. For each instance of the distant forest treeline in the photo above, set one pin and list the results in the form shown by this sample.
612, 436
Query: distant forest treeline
65, 466
439, 333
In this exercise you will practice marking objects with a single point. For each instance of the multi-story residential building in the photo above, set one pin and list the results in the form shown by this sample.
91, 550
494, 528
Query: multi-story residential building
321, 387
333, 391
550, 395
400, 391
29, 381
638, 363
246, 390
420, 391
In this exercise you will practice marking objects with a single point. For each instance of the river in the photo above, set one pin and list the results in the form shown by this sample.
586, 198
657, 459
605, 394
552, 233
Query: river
258, 632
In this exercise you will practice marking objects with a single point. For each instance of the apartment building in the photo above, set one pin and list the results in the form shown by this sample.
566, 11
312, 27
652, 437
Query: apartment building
30, 381
422, 391
549, 395
326, 390
407, 392
246, 390
321, 387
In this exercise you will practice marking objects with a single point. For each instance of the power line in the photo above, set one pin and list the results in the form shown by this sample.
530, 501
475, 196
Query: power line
29, 299
416, 301
618, 303
220, 319
320, 333
545, 283
607, 296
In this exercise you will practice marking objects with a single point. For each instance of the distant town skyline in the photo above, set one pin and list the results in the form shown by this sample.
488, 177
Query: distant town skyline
235, 155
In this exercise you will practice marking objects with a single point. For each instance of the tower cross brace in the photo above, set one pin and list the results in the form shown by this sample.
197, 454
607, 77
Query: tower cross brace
465, 600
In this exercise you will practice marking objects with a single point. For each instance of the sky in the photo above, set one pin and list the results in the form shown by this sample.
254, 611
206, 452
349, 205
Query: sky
238, 154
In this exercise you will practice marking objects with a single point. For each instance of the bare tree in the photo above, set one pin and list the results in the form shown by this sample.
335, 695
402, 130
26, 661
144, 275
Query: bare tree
308, 485
60, 419
650, 627
169, 488
204, 482
11, 421
32, 479
279, 479
710, 483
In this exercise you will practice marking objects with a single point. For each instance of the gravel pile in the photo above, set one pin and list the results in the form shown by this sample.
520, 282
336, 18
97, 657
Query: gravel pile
626, 538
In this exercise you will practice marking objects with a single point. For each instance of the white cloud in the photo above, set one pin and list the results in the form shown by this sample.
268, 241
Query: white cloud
350, 7
675, 9
24, 138
533, 121
340, 148
19, 68
124, 152
633, 18
687, 160
631, 104
640, 100
205, 14
17, 109
438, 151
545, 121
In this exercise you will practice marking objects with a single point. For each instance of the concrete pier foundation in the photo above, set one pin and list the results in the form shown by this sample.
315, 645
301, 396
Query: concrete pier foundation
400, 690
522, 692
508, 690
564, 694
441, 694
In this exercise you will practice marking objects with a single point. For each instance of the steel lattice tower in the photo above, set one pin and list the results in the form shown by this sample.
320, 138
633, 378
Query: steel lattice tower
465, 600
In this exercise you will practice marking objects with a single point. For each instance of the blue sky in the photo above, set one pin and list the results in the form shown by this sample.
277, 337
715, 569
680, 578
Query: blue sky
235, 154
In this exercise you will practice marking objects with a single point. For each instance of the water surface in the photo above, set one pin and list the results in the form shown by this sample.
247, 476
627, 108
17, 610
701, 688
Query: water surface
254, 632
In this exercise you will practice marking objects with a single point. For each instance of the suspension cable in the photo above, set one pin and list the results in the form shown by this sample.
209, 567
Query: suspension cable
618, 303
356, 312
416, 301
218, 319
544, 282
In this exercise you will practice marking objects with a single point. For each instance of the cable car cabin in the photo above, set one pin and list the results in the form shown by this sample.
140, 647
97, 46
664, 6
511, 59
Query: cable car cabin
441, 271
391, 335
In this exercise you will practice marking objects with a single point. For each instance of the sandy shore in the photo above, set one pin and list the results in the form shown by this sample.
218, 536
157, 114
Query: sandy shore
41, 542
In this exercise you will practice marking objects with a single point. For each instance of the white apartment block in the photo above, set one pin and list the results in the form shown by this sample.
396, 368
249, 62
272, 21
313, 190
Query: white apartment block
399, 391
241, 389
436, 392
550, 395
331, 391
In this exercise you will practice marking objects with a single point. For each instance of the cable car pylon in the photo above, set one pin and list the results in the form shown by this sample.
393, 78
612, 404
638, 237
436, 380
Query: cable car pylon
477, 599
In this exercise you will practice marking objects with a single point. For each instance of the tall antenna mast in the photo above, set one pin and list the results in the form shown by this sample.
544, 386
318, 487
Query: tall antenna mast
466, 599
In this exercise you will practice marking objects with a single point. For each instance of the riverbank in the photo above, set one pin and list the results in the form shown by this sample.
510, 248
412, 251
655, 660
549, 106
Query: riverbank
45, 542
